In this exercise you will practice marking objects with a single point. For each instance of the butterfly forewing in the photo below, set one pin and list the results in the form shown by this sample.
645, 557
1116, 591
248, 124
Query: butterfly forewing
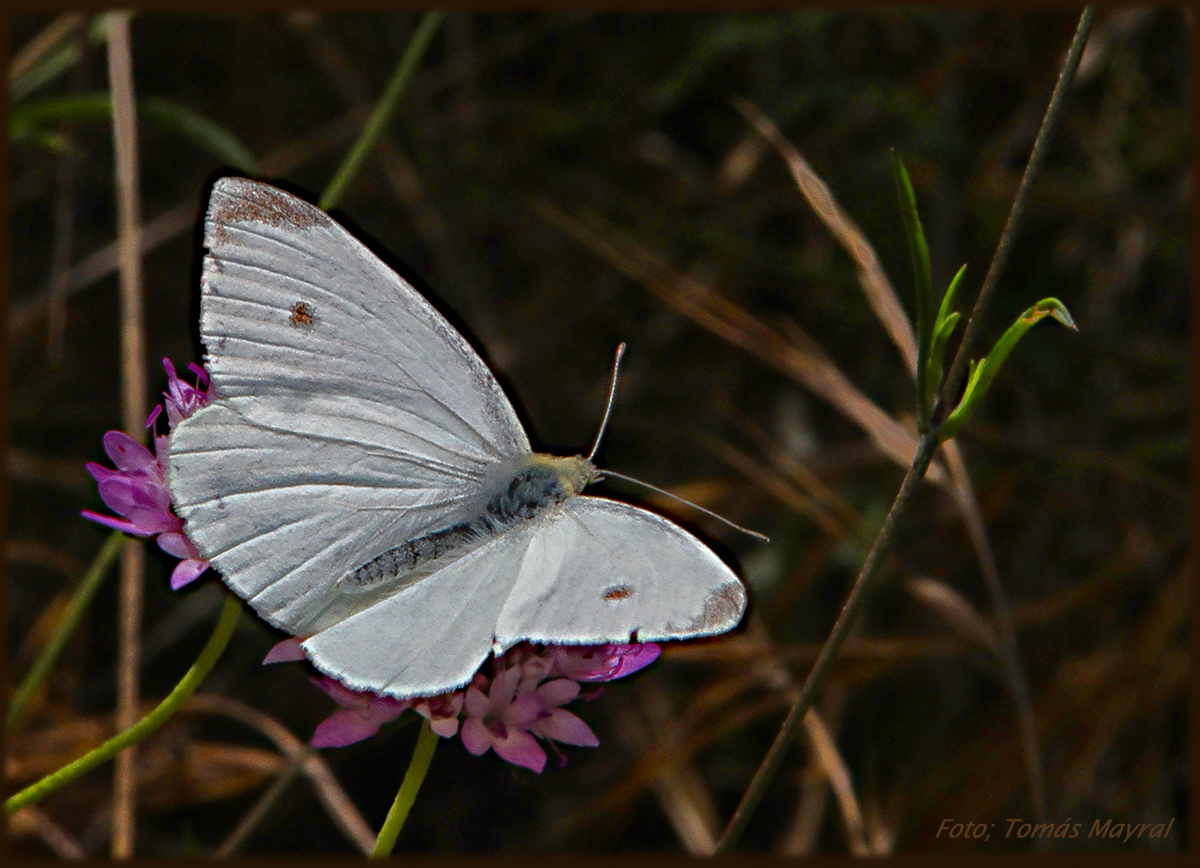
351, 416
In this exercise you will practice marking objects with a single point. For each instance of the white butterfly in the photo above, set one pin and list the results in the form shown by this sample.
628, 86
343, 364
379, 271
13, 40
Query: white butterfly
361, 479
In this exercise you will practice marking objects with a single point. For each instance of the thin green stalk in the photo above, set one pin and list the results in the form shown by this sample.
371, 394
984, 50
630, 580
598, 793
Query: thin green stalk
926, 446
49, 654
1004, 247
148, 724
863, 586
384, 110
407, 794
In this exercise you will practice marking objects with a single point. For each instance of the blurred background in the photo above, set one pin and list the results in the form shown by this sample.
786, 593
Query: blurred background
559, 183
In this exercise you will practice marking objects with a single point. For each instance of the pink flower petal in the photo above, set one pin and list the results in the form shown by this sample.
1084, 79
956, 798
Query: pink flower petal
560, 691
385, 709
603, 662
125, 452
121, 524
504, 686
285, 652
521, 749
100, 473
338, 692
476, 703
634, 657
343, 727
475, 736
524, 710
175, 543
445, 727
140, 500
186, 571
534, 668
568, 728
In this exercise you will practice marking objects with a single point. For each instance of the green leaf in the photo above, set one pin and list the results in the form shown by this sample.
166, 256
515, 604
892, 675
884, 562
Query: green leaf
943, 327
985, 370
918, 251
204, 133
29, 120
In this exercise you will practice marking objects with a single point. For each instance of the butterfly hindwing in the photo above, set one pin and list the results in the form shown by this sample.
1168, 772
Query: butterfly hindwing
587, 571
429, 636
598, 570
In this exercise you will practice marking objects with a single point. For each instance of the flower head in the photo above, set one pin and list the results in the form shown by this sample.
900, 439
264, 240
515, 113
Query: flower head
137, 489
182, 398
520, 705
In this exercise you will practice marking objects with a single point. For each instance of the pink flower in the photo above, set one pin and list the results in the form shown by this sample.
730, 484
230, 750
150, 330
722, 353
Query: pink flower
182, 399
556, 724
360, 716
137, 489
500, 720
508, 713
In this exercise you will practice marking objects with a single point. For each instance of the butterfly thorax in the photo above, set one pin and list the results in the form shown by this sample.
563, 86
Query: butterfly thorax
547, 480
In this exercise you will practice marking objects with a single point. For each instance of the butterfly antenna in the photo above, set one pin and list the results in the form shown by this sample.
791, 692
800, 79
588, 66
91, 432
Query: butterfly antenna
612, 394
694, 506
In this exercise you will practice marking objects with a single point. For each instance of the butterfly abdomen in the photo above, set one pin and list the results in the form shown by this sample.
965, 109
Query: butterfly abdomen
533, 489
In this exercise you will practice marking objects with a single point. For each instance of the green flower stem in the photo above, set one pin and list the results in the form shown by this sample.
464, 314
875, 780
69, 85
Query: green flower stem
427, 740
49, 654
148, 724
383, 111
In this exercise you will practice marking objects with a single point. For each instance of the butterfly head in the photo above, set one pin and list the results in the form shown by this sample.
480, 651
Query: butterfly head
574, 472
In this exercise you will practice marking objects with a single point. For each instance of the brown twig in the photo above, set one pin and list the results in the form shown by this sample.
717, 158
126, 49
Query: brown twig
133, 394
325, 784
